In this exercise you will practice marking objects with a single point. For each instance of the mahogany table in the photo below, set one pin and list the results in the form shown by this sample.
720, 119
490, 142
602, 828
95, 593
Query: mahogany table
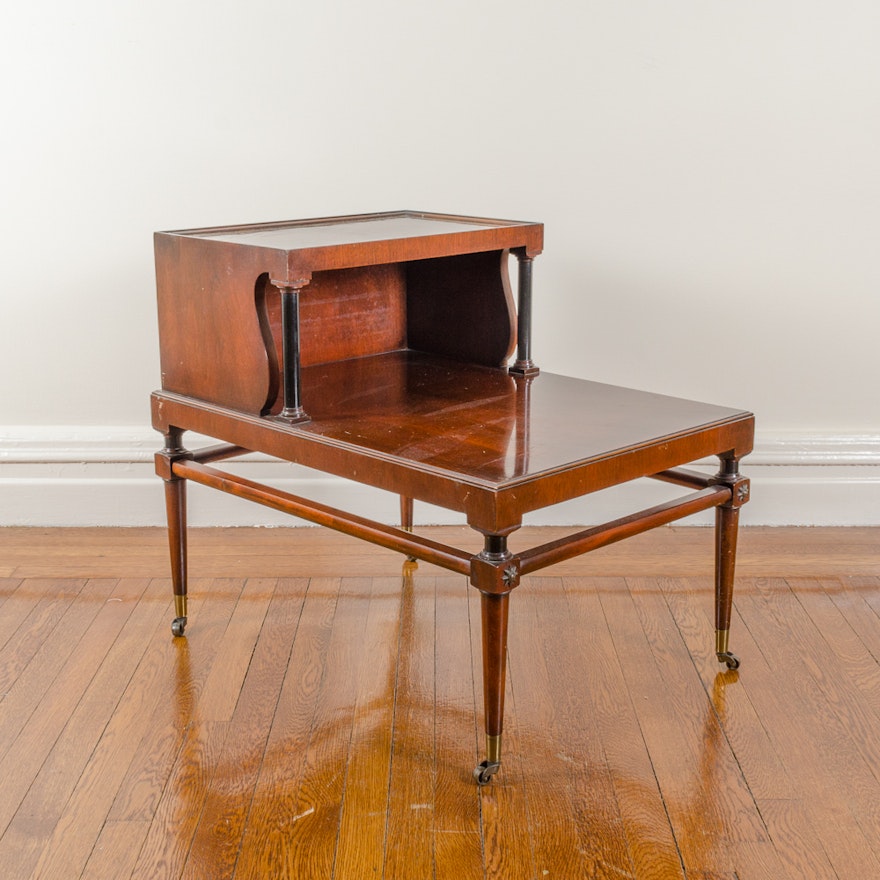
376, 348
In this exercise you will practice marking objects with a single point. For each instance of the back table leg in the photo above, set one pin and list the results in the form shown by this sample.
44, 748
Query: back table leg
175, 507
406, 518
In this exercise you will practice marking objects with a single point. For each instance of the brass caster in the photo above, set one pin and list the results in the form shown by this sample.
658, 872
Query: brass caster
729, 658
484, 772
178, 625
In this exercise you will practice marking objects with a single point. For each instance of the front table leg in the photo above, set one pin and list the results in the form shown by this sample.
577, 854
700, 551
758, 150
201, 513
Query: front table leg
726, 529
494, 572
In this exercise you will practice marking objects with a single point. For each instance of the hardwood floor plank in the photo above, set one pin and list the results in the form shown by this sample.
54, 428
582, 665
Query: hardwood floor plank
851, 651
167, 846
27, 620
217, 840
708, 803
675, 551
11, 618
317, 804
758, 765
222, 689
690, 603
785, 698
796, 845
360, 851
409, 850
852, 595
45, 714
117, 651
580, 760
326, 727
22, 694
269, 836
116, 851
69, 848
458, 848
645, 822
183, 666
869, 587
544, 730
839, 701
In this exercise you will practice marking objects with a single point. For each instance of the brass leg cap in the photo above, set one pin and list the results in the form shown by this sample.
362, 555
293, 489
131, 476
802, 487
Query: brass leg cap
493, 749
179, 606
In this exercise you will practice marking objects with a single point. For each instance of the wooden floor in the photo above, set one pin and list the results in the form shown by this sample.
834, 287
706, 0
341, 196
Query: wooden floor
323, 715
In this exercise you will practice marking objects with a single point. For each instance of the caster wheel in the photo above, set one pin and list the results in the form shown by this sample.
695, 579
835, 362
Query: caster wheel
730, 659
178, 625
485, 771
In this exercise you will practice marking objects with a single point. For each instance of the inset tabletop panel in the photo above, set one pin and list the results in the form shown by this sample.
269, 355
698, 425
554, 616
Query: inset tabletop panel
368, 239
484, 425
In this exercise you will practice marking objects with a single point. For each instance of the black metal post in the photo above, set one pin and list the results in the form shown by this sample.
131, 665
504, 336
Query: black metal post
524, 364
292, 410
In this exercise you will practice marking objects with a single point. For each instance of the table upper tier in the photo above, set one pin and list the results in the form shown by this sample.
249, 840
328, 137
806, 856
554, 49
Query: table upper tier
371, 239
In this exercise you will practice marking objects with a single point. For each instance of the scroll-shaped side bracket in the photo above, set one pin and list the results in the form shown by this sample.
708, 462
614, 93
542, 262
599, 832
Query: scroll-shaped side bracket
262, 292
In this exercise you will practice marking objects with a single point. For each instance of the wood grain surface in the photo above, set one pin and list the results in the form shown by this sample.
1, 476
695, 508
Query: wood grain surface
322, 717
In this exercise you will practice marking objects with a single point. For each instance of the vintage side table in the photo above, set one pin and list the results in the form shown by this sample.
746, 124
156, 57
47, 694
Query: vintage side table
376, 348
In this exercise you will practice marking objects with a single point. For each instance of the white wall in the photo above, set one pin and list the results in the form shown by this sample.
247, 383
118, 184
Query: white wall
707, 171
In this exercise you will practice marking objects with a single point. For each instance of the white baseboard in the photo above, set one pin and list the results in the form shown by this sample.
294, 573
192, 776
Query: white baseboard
98, 476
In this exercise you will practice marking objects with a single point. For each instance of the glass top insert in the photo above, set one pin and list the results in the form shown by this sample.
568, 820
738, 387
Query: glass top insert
301, 237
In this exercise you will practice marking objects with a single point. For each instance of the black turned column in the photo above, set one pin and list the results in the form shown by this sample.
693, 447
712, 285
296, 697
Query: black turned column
292, 411
524, 365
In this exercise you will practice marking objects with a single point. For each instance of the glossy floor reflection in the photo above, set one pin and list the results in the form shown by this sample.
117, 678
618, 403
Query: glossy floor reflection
327, 728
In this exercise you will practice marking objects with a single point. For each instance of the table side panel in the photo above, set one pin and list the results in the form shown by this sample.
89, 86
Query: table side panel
212, 345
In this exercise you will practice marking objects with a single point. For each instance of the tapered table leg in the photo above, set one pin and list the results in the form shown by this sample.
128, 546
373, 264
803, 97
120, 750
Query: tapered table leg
406, 519
406, 513
494, 572
726, 530
494, 613
175, 506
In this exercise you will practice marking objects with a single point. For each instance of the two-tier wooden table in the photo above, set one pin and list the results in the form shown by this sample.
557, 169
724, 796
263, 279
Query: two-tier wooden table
377, 348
